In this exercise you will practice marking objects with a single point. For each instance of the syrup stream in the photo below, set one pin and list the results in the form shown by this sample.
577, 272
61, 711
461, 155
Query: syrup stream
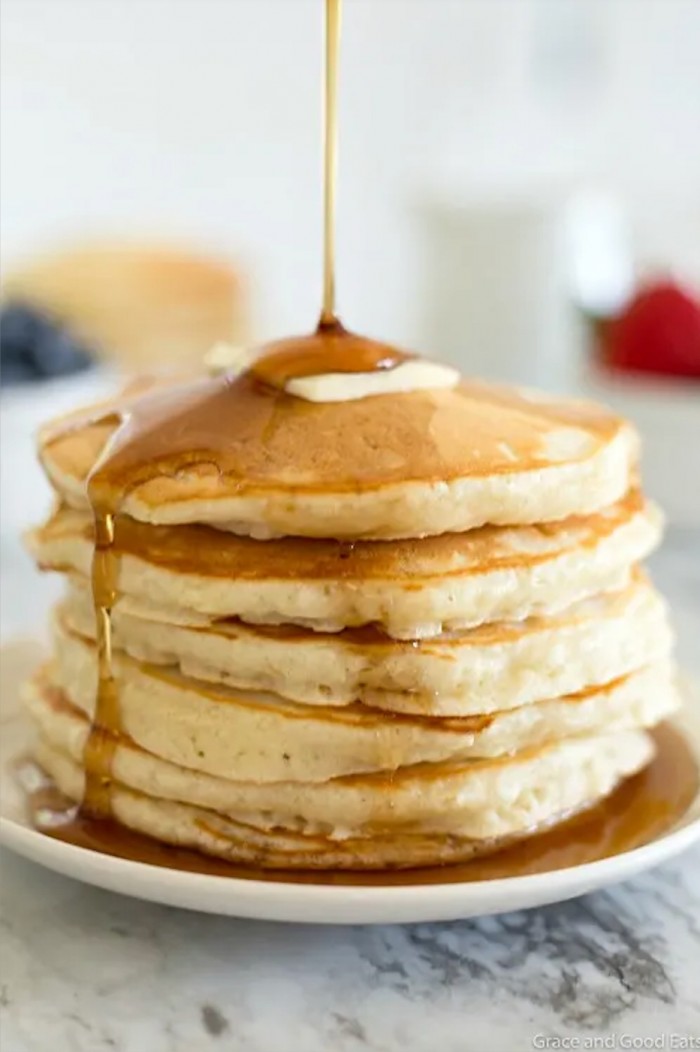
330, 162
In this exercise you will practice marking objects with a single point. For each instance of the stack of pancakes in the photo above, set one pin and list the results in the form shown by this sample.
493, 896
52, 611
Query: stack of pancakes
389, 632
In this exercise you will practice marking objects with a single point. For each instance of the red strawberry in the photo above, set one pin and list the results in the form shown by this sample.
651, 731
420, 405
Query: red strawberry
659, 332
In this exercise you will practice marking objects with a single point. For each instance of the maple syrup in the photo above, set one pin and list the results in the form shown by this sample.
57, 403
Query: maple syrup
166, 433
102, 739
641, 809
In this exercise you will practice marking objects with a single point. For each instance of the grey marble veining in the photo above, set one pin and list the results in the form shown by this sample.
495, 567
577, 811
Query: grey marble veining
85, 970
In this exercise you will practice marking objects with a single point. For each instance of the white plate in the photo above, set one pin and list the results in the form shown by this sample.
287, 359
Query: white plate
310, 903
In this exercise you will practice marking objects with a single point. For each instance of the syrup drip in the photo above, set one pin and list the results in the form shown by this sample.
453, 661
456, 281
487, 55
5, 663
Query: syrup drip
331, 349
640, 810
165, 433
330, 165
102, 739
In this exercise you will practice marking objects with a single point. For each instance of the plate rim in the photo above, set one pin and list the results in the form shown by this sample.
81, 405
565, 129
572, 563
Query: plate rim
336, 903
282, 900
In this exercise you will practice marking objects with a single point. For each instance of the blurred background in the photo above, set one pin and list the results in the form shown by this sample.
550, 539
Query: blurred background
519, 192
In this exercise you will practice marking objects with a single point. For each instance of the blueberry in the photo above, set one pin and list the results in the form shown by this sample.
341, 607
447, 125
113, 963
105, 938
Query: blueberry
34, 346
16, 371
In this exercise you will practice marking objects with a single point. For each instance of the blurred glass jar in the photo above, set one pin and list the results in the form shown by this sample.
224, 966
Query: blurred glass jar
495, 293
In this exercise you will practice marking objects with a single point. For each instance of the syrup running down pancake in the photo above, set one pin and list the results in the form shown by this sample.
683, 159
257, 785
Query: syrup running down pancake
412, 588
338, 699
422, 816
494, 666
242, 454
332, 608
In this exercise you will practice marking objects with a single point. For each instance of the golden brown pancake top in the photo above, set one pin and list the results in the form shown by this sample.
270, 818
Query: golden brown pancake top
220, 436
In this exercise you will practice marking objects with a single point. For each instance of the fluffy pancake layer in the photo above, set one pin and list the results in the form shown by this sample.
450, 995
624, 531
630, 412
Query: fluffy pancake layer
481, 670
407, 465
261, 737
413, 589
421, 815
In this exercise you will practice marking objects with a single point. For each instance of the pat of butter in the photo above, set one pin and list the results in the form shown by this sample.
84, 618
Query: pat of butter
414, 375
225, 358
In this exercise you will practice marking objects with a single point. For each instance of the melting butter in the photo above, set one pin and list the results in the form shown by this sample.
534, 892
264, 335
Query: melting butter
414, 375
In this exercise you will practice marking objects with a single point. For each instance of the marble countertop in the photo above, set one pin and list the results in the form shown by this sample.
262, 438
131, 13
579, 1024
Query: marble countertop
84, 970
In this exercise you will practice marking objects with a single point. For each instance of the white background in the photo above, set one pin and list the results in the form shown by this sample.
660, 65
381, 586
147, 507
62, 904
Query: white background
200, 119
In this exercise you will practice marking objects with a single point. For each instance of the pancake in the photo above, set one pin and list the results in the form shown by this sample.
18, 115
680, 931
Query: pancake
140, 305
243, 455
413, 589
423, 815
265, 738
485, 669
391, 631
